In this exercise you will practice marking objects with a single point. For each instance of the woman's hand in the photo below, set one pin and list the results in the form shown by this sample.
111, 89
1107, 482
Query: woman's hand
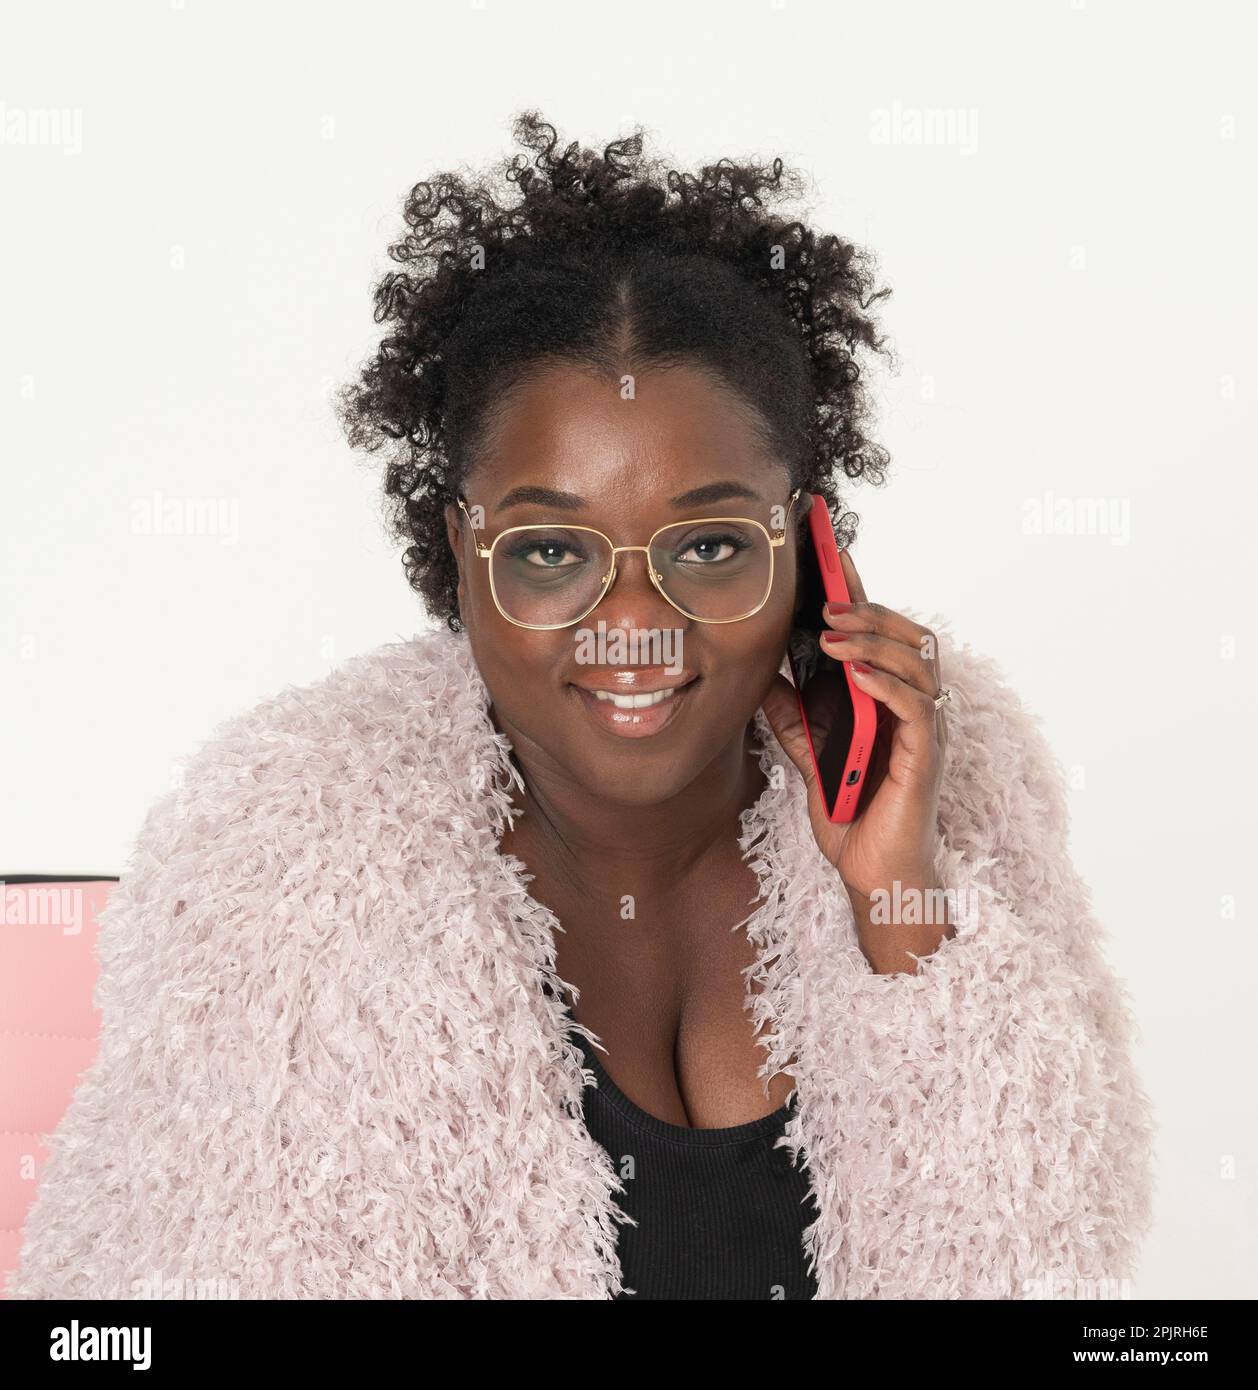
890, 846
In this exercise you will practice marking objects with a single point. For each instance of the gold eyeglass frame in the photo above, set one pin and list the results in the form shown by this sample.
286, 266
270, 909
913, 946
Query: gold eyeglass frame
775, 540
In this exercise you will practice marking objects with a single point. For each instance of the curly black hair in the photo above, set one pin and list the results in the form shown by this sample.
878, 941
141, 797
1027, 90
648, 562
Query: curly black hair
606, 261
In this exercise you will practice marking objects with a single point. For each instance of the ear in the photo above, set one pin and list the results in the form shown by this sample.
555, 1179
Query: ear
454, 536
454, 533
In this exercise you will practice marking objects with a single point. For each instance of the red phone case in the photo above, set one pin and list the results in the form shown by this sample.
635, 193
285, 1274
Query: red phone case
864, 706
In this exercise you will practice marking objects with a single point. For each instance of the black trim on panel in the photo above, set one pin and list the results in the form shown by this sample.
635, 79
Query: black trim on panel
58, 878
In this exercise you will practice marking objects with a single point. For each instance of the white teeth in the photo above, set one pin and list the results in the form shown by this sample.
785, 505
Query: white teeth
656, 697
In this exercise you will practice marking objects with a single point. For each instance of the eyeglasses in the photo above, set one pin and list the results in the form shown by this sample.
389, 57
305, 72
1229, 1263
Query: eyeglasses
714, 569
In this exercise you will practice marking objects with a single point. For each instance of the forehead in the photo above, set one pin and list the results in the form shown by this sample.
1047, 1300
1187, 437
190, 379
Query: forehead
622, 438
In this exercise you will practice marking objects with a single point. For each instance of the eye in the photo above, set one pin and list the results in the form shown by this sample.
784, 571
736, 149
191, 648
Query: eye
711, 548
549, 555
546, 552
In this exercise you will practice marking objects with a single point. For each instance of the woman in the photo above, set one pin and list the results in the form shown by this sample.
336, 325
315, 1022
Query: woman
501, 963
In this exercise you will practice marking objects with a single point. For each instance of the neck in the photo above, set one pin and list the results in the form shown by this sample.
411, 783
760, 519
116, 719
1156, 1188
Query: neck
603, 849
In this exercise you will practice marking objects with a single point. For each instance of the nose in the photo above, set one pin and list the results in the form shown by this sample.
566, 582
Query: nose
633, 600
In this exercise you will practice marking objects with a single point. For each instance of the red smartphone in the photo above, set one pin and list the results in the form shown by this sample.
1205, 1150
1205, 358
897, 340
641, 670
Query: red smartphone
840, 719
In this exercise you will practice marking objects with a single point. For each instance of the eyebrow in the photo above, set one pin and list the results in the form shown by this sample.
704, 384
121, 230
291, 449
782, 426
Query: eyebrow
709, 493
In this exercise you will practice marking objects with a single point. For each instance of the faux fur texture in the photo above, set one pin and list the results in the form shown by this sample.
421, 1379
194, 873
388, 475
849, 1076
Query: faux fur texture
328, 1068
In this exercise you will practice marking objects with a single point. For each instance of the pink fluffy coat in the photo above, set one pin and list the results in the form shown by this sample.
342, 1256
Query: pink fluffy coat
328, 1070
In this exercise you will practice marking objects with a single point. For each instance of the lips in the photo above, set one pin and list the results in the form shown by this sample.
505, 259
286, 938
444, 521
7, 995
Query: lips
635, 704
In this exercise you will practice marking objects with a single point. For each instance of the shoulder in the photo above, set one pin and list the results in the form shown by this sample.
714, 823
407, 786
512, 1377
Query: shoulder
267, 782
380, 694
385, 702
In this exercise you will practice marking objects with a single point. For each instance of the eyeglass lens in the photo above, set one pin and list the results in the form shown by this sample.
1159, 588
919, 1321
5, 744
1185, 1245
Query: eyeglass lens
718, 571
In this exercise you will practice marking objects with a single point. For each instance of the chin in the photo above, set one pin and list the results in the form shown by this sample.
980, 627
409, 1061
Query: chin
633, 777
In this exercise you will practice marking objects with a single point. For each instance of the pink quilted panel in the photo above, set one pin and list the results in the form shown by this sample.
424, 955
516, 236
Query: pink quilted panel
49, 1030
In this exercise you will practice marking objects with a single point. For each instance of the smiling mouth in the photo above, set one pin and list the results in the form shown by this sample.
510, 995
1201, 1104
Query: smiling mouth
654, 697
635, 713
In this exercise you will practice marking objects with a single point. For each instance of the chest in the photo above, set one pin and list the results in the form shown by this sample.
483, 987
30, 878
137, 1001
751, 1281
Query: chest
665, 987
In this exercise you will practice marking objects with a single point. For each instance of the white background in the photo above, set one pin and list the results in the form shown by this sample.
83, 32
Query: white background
186, 273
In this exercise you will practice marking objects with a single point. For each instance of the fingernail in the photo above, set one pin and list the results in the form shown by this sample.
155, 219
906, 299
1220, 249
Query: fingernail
834, 609
861, 667
834, 636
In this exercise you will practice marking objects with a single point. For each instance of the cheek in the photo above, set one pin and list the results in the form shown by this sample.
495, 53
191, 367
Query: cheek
746, 668
762, 662
773, 629
476, 603
519, 670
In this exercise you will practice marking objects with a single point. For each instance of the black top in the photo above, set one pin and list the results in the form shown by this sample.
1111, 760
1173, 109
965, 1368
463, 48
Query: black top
721, 1213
